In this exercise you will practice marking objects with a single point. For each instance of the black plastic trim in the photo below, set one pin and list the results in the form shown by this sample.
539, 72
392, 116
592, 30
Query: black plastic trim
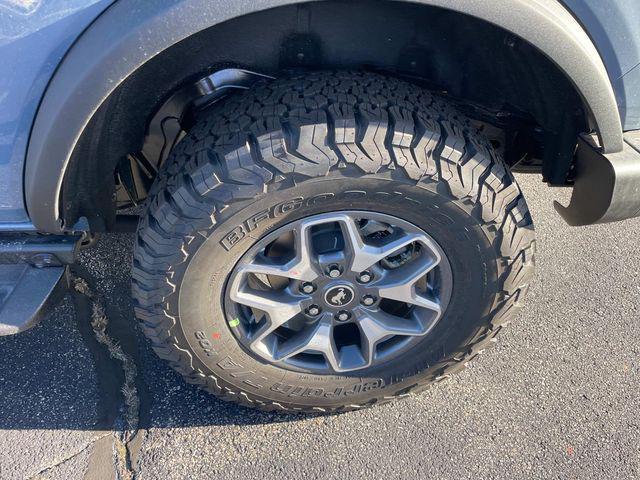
38, 250
32, 293
607, 186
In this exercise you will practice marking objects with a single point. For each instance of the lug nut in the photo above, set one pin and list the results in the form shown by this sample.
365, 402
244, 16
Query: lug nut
313, 310
308, 287
364, 277
343, 316
334, 271
368, 300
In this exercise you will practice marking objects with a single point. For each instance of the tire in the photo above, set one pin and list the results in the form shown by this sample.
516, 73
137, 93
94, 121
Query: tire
301, 146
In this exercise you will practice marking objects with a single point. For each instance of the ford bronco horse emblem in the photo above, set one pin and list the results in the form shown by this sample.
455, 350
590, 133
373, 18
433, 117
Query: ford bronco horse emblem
339, 296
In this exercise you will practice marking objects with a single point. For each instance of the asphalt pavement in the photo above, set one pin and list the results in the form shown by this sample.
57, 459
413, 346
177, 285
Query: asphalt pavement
558, 397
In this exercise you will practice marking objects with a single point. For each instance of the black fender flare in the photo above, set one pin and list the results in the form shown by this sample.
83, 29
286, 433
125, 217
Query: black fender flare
130, 32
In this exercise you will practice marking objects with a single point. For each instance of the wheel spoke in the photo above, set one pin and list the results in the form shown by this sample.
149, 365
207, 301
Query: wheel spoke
379, 326
399, 284
317, 339
279, 308
408, 294
364, 256
299, 268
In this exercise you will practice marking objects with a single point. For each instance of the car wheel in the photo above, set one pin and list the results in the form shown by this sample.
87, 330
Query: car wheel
329, 241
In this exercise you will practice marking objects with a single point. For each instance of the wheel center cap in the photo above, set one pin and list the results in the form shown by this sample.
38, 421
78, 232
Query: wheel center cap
339, 296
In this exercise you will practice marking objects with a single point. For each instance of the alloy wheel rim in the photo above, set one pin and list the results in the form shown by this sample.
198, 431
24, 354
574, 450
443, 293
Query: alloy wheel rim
338, 292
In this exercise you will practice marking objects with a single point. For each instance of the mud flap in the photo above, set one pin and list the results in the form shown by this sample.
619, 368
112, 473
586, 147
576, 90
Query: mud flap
607, 187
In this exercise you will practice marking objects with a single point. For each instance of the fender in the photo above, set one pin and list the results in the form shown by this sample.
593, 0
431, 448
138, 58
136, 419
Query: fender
130, 32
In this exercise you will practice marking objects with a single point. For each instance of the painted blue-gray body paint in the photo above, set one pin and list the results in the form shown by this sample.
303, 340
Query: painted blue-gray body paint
35, 34
614, 27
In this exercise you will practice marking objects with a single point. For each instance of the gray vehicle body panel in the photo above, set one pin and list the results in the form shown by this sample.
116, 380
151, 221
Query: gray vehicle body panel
614, 27
33, 40
130, 32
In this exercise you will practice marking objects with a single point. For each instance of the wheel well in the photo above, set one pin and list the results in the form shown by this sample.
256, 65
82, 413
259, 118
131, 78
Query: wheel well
499, 79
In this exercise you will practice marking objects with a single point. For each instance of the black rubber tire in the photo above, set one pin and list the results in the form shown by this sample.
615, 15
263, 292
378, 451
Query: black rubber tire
312, 143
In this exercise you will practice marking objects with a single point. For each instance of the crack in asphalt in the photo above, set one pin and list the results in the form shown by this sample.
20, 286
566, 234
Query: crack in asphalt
99, 324
117, 372
65, 459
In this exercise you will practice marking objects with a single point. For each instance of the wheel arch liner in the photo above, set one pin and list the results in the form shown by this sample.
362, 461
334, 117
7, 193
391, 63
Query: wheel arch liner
129, 33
